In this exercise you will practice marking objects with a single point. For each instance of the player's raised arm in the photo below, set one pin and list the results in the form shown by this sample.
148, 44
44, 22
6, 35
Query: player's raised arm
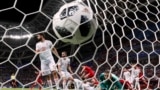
69, 68
54, 50
59, 65
83, 68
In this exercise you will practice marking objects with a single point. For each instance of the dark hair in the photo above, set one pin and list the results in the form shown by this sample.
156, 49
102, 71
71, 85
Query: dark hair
41, 34
127, 67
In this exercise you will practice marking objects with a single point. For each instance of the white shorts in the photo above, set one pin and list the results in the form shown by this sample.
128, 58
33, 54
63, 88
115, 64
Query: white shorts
47, 66
65, 74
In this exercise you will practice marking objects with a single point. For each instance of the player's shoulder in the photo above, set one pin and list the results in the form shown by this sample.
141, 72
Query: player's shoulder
47, 41
68, 58
38, 43
101, 76
60, 59
114, 76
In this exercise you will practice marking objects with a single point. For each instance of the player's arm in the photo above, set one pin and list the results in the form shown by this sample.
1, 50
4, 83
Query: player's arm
59, 65
83, 68
54, 50
37, 51
59, 68
69, 68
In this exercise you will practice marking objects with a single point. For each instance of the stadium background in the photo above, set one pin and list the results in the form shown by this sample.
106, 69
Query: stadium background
128, 33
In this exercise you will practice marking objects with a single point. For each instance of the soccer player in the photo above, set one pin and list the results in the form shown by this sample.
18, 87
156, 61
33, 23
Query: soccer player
63, 67
13, 82
83, 85
109, 81
48, 66
87, 72
38, 81
126, 79
126, 74
136, 76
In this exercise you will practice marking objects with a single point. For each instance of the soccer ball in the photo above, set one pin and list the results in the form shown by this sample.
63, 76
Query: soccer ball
74, 23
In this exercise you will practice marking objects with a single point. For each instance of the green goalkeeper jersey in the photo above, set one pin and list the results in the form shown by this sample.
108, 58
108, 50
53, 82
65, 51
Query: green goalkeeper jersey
110, 84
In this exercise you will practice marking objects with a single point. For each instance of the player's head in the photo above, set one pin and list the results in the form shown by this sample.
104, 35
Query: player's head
64, 54
107, 74
137, 66
126, 68
40, 36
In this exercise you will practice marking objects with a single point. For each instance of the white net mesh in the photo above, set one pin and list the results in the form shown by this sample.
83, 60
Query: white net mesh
128, 32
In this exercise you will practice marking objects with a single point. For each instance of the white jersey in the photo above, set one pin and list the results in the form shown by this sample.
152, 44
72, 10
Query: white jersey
64, 62
134, 73
137, 72
127, 76
45, 49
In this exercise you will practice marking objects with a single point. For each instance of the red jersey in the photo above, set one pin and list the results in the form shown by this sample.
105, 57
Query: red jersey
89, 70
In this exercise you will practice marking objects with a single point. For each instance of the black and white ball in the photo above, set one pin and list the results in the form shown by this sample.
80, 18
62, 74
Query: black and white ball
74, 23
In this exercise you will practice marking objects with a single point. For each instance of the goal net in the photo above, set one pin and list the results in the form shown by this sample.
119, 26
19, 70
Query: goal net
128, 33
